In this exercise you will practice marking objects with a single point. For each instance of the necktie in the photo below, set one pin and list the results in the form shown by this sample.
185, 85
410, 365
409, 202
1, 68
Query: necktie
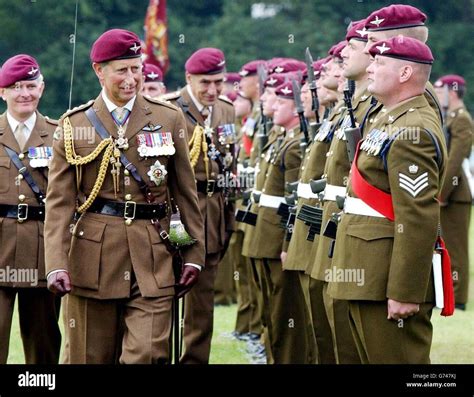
120, 115
20, 135
205, 112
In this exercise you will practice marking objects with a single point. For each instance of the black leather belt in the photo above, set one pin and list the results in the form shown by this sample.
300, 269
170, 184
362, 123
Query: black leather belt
129, 209
22, 212
208, 187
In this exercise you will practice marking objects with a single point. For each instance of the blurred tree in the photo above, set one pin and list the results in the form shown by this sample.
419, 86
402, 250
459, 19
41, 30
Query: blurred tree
44, 29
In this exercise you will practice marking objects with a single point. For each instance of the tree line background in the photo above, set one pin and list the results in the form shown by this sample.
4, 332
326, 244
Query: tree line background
44, 29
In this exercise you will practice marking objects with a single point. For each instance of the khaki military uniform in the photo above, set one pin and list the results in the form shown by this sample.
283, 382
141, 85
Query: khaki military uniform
392, 258
218, 216
22, 252
456, 215
297, 255
336, 172
121, 271
286, 323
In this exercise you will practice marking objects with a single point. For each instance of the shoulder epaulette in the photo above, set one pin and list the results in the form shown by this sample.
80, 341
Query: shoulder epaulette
225, 99
170, 96
78, 109
51, 121
161, 101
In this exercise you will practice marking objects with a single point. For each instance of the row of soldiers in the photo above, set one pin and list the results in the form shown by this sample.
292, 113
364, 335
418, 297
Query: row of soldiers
141, 211
351, 279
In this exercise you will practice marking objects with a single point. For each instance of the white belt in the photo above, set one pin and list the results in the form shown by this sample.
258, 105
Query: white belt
331, 191
358, 207
304, 191
254, 192
271, 201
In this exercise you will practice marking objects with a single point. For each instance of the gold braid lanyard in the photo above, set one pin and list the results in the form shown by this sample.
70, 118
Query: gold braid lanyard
196, 144
74, 159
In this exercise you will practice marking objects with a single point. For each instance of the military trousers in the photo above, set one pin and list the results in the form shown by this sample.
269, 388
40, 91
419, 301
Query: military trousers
199, 315
38, 311
320, 323
337, 312
455, 218
127, 331
287, 320
382, 341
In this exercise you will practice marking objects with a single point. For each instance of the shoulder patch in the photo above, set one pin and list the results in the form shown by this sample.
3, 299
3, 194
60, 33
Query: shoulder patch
223, 98
161, 101
78, 109
51, 121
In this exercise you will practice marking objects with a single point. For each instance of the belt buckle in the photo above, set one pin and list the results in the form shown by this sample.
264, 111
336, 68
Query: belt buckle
129, 206
22, 214
210, 186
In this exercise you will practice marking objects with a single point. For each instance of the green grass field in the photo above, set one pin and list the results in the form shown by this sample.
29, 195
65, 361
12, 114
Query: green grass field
452, 340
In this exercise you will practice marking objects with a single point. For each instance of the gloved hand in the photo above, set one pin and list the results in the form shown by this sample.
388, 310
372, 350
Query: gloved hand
59, 283
188, 278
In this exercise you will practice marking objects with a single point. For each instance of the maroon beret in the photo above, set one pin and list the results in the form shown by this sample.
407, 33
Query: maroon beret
206, 61
288, 65
274, 62
336, 49
152, 73
451, 80
318, 66
232, 77
251, 68
18, 68
357, 31
402, 47
285, 90
116, 44
395, 16
275, 79
232, 95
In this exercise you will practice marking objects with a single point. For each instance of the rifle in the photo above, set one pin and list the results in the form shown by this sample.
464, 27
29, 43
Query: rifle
312, 84
262, 131
300, 110
353, 134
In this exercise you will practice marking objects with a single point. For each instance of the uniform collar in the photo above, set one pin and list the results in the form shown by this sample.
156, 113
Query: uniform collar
29, 122
112, 106
198, 104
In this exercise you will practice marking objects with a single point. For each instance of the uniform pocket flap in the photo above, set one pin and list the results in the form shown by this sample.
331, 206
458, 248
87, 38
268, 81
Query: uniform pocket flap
370, 232
90, 230
5, 162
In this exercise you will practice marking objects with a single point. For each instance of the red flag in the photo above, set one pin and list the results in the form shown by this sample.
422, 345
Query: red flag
156, 34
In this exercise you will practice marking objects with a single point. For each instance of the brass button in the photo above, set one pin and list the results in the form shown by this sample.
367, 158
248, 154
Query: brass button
20, 177
128, 197
128, 222
81, 233
21, 197
21, 156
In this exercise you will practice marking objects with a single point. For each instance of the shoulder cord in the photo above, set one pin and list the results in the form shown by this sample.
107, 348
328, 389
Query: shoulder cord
74, 159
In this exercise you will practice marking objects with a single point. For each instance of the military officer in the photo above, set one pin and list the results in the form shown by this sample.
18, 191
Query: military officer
355, 63
264, 146
385, 240
25, 152
287, 323
153, 85
117, 265
456, 198
211, 134
312, 167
